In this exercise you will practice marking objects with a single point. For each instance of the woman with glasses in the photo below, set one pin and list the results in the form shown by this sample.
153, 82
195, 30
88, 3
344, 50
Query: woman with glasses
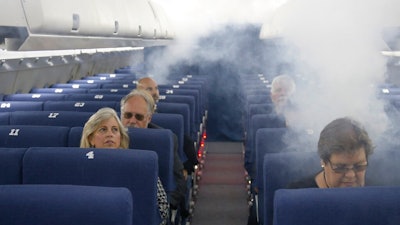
105, 130
344, 147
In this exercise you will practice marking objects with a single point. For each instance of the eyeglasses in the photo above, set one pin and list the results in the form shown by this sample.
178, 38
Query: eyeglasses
343, 169
137, 116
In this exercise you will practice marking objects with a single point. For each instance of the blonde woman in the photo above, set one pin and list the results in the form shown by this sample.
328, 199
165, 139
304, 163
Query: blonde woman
105, 130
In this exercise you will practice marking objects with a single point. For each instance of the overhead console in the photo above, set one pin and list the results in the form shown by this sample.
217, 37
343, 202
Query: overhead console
27, 25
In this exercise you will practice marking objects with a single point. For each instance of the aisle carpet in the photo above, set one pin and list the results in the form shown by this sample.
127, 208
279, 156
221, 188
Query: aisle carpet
222, 194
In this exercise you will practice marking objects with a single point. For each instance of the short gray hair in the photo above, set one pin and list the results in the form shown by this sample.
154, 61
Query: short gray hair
284, 80
144, 94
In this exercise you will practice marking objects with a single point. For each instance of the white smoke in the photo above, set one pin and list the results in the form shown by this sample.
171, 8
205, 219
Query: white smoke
336, 51
194, 19
338, 47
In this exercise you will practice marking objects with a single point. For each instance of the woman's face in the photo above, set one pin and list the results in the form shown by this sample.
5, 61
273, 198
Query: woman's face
107, 135
345, 169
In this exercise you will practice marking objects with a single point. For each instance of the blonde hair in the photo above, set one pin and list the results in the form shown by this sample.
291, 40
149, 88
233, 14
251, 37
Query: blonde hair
94, 122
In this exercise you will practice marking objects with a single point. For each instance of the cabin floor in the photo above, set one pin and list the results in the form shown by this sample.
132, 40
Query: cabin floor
222, 197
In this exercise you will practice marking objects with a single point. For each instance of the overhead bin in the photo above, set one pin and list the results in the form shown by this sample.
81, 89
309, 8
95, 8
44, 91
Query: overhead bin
75, 24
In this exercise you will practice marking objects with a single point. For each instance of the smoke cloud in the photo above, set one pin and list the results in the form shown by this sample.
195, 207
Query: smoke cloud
333, 48
197, 19
336, 49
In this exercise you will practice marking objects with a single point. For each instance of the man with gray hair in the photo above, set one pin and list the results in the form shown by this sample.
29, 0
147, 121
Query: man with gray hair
137, 109
282, 88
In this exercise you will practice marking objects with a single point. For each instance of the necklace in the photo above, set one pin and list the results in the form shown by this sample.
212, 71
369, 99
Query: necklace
326, 182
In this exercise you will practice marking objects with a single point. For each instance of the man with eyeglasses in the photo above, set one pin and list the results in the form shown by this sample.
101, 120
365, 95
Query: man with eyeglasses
136, 111
150, 85
343, 147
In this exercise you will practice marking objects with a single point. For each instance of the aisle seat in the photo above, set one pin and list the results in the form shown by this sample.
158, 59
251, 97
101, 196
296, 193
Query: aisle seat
10, 106
65, 205
136, 170
333, 206
24, 136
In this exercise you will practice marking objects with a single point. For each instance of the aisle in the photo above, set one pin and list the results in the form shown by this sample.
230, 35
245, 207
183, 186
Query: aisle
222, 194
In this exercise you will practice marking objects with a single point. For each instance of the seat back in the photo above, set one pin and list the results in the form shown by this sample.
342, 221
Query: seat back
35, 97
64, 205
94, 97
50, 118
186, 92
10, 106
78, 86
174, 122
11, 165
337, 206
59, 90
281, 169
257, 122
177, 108
101, 91
134, 169
24, 136
383, 168
129, 86
74, 136
161, 142
81, 106
268, 141
190, 101
254, 109
258, 98
5, 118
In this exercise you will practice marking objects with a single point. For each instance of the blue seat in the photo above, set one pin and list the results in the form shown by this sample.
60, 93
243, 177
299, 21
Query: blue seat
337, 206
177, 108
74, 136
24, 136
258, 98
119, 86
161, 142
82, 106
254, 109
5, 118
383, 168
189, 100
59, 90
280, 170
186, 92
116, 75
64, 205
9, 106
268, 141
102, 77
118, 91
11, 165
199, 88
134, 169
94, 97
89, 81
35, 97
50, 118
127, 70
72, 85
256, 122
174, 122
